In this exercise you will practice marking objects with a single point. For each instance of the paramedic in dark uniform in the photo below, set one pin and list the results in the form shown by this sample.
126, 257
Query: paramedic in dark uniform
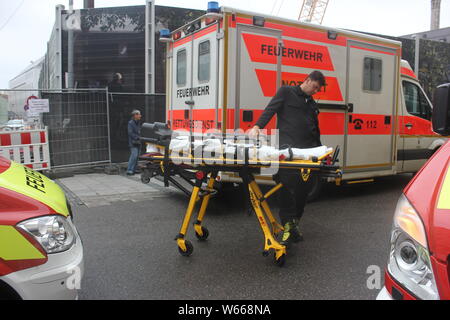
298, 127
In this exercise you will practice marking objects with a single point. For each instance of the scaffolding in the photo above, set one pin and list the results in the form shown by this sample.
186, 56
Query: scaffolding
313, 11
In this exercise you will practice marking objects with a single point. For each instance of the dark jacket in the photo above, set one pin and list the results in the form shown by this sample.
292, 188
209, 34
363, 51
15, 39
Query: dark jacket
134, 132
297, 114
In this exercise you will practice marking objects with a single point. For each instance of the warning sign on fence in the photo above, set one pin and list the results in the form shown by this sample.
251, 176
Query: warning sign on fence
37, 106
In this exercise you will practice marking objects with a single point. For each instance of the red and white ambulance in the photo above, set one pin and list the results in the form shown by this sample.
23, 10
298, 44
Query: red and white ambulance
224, 67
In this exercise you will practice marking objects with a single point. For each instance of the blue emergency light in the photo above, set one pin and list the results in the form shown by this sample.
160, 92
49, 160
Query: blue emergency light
213, 6
164, 35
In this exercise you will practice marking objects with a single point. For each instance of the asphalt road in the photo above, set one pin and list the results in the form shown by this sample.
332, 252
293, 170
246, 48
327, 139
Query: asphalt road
130, 252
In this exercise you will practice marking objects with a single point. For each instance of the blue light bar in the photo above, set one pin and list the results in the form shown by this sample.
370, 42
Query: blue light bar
213, 6
164, 33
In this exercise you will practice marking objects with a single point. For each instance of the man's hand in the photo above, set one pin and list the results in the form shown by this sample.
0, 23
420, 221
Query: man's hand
254, 132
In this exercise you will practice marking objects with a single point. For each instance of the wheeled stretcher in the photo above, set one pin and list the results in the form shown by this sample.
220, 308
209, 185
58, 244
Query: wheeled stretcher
204, 171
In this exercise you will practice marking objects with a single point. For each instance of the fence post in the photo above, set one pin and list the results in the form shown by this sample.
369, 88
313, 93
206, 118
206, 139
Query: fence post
109, 125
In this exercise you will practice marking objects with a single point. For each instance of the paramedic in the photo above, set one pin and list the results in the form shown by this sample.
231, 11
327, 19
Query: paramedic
134, 128
298, 127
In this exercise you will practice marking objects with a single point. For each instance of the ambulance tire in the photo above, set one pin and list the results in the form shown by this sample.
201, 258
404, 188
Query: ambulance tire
316, 189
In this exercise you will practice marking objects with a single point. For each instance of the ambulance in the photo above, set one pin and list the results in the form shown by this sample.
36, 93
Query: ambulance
418, 263
41, 254
224, 67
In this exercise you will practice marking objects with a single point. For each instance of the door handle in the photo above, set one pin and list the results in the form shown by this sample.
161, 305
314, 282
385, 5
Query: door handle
350, 107
190, 102
409, 125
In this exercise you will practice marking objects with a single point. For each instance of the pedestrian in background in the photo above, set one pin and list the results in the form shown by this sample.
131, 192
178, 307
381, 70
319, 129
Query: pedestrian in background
116, 85
134, 142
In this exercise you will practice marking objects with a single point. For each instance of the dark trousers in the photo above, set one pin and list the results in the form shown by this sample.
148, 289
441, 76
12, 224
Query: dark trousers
293, 195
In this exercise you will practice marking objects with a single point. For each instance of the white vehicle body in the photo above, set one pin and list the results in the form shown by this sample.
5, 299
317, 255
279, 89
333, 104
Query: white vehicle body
223, 69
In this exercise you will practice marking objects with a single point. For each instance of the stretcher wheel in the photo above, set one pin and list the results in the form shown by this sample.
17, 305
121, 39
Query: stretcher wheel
145, 178
189, 249
280, 261
204, 236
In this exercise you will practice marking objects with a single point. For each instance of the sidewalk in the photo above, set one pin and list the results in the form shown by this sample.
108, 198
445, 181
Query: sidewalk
99, 189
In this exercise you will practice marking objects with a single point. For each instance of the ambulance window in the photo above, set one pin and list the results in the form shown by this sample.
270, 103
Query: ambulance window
415, 100
372, 74
204, 59
181, 67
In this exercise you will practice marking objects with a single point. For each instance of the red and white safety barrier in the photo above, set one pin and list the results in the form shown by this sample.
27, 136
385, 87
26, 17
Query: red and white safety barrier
28, 147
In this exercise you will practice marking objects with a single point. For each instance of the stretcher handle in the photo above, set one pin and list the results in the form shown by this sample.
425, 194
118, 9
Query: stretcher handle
334, 159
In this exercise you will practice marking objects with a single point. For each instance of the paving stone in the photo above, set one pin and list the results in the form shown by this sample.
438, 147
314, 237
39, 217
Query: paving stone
94, 190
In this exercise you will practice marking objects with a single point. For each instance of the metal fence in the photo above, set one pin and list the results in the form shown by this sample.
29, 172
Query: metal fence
85, 126
78, 127
77, 123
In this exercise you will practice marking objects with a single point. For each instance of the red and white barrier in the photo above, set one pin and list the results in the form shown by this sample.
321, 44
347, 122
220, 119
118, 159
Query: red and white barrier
27, 147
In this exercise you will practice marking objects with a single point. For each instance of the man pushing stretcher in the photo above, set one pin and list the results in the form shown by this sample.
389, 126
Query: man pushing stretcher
298, 125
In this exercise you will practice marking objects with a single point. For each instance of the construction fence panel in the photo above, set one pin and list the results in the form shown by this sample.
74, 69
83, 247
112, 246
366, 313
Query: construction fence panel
78, 127
84, 126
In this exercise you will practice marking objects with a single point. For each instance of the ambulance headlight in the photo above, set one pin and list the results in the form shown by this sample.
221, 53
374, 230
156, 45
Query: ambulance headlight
54, 233
409, 259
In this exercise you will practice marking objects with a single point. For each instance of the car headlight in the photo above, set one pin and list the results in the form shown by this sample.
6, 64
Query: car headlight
54, 233
409, 259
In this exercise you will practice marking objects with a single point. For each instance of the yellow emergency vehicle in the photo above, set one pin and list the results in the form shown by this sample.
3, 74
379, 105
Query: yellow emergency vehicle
41, 253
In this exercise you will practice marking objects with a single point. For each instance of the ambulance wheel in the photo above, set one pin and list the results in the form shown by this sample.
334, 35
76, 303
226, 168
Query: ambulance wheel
280, 261
189, 249
316, 189
204, 236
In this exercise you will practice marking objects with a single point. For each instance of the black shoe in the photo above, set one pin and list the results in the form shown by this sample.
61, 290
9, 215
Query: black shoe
130, 174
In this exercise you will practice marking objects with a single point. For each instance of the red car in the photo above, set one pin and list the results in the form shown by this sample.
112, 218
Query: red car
419, 259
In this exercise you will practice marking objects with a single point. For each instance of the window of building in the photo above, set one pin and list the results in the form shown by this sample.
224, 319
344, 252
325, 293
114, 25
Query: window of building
204, 61
181, 67
372, 74
416, 101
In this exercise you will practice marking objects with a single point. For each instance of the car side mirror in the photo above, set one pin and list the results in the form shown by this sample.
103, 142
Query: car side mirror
441, 110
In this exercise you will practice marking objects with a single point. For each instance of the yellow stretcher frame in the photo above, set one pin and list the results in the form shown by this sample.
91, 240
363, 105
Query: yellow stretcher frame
258, 200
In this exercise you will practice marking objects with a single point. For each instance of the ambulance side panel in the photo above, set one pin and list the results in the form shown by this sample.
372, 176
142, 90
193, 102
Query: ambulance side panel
358, 105
371, 96
262, 59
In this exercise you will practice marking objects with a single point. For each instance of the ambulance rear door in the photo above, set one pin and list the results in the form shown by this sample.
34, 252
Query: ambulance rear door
372, 77
194, 91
